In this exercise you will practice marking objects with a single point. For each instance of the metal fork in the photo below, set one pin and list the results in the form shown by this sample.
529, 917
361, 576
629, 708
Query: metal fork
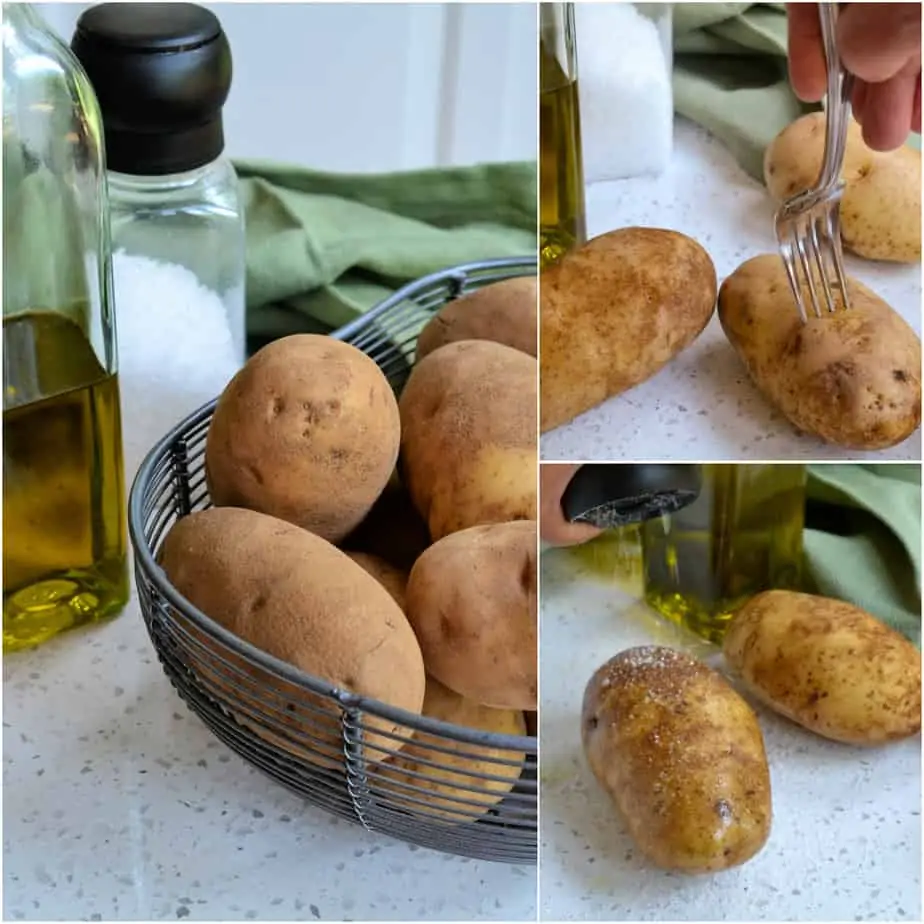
808, 229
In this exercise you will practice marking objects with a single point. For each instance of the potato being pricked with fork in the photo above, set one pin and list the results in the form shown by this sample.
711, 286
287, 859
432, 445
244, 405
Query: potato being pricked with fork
851, 377
881, 204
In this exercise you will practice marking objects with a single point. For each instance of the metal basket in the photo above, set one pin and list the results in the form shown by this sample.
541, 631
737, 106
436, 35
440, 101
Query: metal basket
333, 747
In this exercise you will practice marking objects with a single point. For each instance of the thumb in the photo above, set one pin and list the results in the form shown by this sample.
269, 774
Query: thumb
876, 40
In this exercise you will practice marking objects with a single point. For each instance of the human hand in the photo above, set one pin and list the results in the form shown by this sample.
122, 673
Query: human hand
880, 44
554, 479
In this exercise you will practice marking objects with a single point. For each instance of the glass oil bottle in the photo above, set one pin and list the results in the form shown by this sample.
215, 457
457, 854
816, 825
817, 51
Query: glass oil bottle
562, 217
64, 535
742, 535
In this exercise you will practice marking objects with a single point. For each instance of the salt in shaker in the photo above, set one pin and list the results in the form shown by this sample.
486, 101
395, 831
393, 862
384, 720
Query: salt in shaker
162, 73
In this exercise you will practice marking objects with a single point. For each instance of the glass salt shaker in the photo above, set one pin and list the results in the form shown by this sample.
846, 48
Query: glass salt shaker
162, 73
562, 221
627, 104
64, 531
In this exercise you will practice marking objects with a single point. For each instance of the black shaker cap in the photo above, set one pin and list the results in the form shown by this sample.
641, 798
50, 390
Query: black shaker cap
609, 495
161, 73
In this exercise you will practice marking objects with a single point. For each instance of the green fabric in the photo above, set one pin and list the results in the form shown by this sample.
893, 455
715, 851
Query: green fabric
863, 539
323, 248
730, 75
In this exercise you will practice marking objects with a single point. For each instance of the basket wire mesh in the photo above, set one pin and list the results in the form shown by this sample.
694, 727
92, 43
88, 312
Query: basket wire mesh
455, 789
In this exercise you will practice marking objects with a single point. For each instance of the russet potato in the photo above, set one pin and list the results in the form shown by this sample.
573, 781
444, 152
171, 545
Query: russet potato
468, 436
827, 665
682, 756
307, 431
852, 378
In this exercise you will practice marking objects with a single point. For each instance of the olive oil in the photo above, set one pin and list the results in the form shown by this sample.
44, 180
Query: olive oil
743, 535
562, 218
64, 535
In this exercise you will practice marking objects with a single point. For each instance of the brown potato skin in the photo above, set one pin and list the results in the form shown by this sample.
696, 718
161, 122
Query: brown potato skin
471, 599
614, 312
451, 782
828, 666
852, 378
504, 312
390, 577
881, 204
296, 597
307, 431
682, 756
468, 436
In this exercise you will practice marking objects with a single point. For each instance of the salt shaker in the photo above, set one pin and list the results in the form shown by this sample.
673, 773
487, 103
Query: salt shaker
162, 73
627, 106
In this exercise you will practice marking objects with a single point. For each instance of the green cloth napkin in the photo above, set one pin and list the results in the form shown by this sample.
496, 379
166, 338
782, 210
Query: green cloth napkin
730, 75
863, 539
323, 247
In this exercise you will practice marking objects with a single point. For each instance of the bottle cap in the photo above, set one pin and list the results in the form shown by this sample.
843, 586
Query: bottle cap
161, 73
612, 494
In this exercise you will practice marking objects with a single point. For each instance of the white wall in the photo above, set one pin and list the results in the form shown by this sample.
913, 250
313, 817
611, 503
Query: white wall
375, 87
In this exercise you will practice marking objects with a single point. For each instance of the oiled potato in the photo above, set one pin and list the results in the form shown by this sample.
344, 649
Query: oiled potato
447, 788
682, 756
614, 312
471, 599
299, 599
504, 312
852, 377
308, 431
827, 665
393, 530
468, 436
391, 578
881, 204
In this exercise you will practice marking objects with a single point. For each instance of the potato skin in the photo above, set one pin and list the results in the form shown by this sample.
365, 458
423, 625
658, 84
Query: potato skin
681, 755
308, 431
852, 378
504, 312
451, 782
471, 599
881, 203
468, 436
614, 312
827, 665
296, 597
390, 577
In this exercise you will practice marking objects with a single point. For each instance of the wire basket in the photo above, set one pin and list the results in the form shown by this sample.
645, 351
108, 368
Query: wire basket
439, 785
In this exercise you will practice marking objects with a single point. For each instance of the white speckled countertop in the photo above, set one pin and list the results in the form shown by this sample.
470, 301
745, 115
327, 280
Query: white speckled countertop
119, 804
703, 406
846, 838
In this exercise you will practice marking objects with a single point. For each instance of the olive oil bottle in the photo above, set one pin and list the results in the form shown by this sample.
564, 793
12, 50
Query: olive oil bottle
64, 534
562, 218
742, 535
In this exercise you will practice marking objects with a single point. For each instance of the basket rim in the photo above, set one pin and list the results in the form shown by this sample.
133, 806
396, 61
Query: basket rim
526, 744
408, 291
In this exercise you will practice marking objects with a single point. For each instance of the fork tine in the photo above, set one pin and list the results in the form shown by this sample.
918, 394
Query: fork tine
834, 223
804, 259
818, 238
789, 264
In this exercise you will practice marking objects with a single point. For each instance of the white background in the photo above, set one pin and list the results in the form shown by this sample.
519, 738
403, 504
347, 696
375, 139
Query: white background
375, 87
